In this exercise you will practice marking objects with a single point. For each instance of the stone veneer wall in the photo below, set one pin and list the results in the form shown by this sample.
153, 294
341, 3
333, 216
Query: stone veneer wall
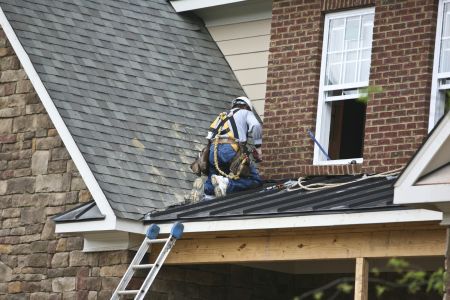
38, 180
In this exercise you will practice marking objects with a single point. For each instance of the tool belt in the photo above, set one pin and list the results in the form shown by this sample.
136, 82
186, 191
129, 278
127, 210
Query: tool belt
234, 144
240, 164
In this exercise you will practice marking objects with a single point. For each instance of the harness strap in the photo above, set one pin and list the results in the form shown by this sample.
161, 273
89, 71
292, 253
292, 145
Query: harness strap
223, 120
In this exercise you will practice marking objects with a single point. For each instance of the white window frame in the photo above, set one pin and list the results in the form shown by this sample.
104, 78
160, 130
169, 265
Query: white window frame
324, 111
437, 102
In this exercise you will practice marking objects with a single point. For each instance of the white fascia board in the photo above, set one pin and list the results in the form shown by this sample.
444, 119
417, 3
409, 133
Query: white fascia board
120, 225
363, 218
59, 124
106, 241
425, 155
426, 194
187, 5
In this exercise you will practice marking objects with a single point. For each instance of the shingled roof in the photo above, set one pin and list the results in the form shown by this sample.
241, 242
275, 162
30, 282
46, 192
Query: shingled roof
136, 84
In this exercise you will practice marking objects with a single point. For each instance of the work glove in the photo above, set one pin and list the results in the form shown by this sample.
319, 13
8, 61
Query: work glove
257, 154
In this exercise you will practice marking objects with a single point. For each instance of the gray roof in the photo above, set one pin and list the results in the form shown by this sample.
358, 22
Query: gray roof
373, 194
136, 84
85, 212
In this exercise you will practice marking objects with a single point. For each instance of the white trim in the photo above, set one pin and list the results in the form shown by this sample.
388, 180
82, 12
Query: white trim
101, 225
436, 105
424, 156
187, 5
381, 217
345, 86
60, 126
324, 111
339, 162
422, 194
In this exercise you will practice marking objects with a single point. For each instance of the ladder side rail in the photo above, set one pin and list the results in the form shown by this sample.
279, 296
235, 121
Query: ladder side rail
154, 271
130, 271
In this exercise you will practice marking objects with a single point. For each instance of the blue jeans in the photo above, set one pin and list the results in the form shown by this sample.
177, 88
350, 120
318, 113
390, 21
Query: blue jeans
225, 154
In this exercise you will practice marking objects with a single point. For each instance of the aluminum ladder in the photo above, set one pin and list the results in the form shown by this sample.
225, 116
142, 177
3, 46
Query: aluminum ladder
151, 237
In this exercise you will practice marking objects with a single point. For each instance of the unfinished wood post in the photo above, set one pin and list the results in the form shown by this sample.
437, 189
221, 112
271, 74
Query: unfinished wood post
361, 279
447, 266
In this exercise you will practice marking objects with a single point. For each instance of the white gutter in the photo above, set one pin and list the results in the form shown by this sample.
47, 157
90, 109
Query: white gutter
187, 5
63, 131
363, 218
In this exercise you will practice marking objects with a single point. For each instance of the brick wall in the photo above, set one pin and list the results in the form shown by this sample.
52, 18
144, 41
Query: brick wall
396, 120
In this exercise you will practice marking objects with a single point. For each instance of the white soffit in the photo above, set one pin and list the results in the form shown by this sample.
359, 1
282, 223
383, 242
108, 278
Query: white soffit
363, 218
221, 12
187, 5
433, 155
440, 176
60, 126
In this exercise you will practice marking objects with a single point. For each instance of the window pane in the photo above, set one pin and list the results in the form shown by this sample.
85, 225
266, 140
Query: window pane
350, 72
349, 44
364, 70
352, 29
446, 23
334, 74
351, 56
445, 56
444, 62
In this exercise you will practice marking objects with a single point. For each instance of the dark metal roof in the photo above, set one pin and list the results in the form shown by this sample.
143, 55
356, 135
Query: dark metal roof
85, 212
372, 194
137, 86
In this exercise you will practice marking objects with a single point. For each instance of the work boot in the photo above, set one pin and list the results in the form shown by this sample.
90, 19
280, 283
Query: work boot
197, 191
220, 184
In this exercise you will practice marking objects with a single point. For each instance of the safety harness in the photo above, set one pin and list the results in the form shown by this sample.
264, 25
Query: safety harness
217, 130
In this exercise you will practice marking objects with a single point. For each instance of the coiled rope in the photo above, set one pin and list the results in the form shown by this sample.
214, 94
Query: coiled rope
321, 186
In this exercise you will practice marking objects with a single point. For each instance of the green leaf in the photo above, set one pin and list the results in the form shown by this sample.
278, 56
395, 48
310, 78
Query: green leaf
399, 265
375, 271
345, 288
318, 295
366, 92
380, 289
436, 281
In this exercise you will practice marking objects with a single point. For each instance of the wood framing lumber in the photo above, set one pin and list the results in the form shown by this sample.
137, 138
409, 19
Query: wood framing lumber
361, 279
309, 245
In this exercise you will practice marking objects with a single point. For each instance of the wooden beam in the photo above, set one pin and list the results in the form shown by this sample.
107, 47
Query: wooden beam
361, 279
301, 245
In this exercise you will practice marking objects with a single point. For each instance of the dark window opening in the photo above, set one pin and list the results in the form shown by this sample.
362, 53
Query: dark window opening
347, 129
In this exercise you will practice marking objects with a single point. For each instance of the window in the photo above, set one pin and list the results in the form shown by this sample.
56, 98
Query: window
440, 88
347, 48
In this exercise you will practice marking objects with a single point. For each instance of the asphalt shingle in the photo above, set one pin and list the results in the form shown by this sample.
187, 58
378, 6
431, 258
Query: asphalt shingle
137, 85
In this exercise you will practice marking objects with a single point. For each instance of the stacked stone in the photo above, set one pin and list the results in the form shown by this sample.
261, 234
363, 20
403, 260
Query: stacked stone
38, 180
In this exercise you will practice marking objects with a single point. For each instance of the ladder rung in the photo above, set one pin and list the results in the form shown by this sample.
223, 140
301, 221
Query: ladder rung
155, 241
128, 292
143, 266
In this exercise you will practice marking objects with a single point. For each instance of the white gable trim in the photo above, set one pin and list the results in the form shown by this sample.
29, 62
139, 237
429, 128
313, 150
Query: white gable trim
363, 218
61, 127
406, 191
187, 5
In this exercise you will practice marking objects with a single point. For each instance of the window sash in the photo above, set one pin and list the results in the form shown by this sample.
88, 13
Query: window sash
347, 63
437, 103
323, 120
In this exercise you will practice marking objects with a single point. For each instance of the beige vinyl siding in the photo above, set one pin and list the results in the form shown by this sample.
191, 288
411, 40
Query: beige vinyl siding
246, 48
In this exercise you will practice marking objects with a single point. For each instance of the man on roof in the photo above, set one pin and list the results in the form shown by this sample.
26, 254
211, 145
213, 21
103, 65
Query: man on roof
230, 167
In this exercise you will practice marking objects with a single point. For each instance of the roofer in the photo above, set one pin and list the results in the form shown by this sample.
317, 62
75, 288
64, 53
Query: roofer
230, 169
